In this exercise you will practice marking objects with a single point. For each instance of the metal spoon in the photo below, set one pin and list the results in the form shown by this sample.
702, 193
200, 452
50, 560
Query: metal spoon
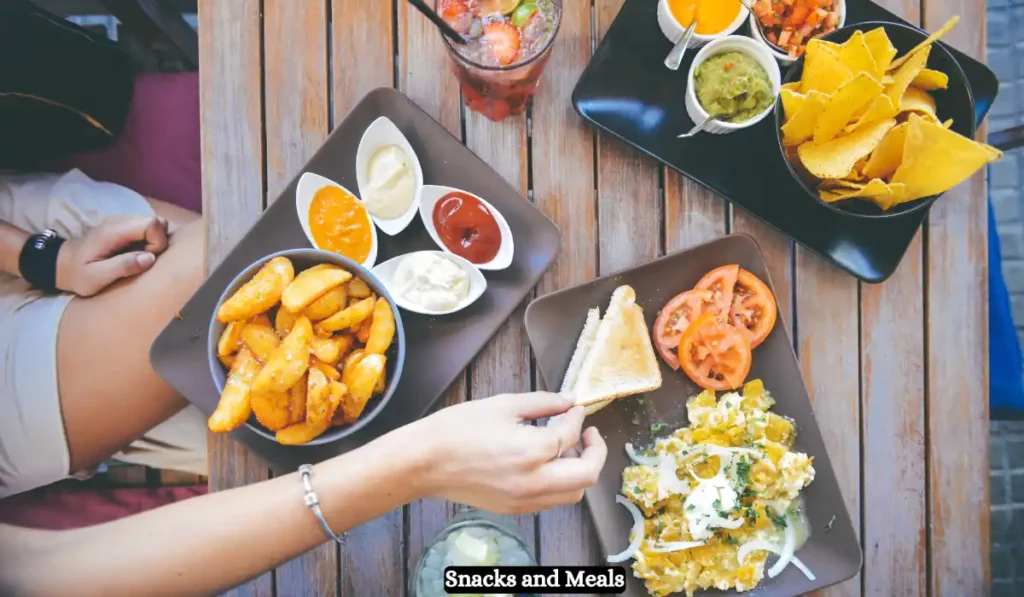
700, 127
764, 35
675, 57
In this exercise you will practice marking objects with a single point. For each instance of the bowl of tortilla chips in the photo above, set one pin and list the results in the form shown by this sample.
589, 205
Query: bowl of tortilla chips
877, 120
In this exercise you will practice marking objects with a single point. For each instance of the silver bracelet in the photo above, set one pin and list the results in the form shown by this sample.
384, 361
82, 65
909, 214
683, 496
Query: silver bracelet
306, 472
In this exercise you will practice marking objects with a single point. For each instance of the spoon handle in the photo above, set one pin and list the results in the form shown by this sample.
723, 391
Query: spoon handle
700, 127
675, 57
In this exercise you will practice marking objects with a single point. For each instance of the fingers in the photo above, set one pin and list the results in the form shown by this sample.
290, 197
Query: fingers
118, 234
106, 272
567, 426
574, 474
536, 405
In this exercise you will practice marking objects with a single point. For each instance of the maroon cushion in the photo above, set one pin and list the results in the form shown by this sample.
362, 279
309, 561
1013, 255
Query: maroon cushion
158, 151
70, 505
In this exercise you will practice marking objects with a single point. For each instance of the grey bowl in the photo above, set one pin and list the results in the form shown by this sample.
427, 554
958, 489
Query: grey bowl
303, 259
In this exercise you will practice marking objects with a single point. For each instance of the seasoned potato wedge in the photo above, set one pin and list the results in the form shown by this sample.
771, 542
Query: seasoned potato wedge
381, 385
363, 331
228, 360
287, 362
350, 363
340, 392
297, 400
234, 406
260, 293
318, 404
328, 370
382, 330
312, 284
330, 303
284, 320
350, 316
303, 432
327, 350
363, 377
230, 339
272, 410
358, 289
261, 340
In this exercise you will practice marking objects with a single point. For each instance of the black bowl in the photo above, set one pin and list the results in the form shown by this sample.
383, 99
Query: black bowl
956, 102
303, 259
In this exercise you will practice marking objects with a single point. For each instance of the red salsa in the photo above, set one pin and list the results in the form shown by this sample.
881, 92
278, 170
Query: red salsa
467, 228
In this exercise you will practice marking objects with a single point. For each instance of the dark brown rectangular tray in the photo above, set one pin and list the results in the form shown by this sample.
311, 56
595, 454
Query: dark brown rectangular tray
553, 324
627, 92
438, 348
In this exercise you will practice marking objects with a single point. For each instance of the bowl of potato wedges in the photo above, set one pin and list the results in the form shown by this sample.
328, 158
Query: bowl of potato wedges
306, 347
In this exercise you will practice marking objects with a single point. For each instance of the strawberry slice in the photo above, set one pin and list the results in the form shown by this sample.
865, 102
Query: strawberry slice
456, 14
503, 38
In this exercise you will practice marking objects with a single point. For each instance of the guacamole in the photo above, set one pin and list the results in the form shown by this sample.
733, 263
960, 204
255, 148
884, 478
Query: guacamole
733, 86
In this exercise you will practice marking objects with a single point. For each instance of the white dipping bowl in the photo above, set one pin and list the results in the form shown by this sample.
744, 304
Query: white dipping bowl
380, 134
431, 194
385, 272
308, 185
734, 43
674, 30
784, 58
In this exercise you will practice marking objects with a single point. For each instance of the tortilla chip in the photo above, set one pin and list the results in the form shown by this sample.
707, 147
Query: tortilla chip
822, 69
855, 94
936, 159
886, 157
881, 108
948, 123
882, 50
919, 102
835, 158
925, 44
930, 80
794, 86
881, 194
905, 74
791, 103
856, 56
801, 126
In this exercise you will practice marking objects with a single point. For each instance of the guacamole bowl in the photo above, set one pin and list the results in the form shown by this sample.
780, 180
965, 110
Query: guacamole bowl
749, 48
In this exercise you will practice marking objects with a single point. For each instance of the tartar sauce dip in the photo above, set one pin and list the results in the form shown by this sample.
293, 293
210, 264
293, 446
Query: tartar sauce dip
392, 183
431, 281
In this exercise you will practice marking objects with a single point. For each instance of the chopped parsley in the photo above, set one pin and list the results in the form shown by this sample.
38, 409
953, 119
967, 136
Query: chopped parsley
831, 521
751, 515
717, 504
689, 507
778, 519
743, 472
657, 428
636, 490
730, 540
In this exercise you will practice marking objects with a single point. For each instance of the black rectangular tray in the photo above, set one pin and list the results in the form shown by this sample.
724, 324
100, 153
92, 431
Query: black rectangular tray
437, 348
626, 90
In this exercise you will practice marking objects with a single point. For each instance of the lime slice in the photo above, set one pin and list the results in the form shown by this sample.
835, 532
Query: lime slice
470, 551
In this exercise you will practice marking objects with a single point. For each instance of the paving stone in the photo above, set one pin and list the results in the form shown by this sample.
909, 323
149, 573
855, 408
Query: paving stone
998, 484
1002, 564
1000, 522
1004, 588
1013, 271
1004, 173
998, 27
1006, 100
1011, 241
1017, 554
1000, 60
1014, 449
1017, 524
1017, 489
996, 449
1006, 203
1017, 310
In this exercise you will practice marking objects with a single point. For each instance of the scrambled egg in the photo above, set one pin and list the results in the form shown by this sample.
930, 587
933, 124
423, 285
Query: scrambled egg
728, 478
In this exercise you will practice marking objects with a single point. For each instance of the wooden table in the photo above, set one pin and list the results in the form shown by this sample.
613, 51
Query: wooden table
898, 371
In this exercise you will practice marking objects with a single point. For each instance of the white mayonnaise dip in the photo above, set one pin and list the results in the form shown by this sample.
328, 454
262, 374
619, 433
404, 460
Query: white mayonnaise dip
392, 183
431, 281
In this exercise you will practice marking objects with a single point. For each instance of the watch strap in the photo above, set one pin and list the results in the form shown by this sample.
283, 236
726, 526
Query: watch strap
38, 260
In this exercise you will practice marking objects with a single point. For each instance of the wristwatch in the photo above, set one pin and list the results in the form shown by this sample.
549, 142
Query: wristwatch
38, 260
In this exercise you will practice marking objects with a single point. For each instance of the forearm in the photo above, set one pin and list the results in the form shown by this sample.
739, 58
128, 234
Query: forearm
205, 545
12, 239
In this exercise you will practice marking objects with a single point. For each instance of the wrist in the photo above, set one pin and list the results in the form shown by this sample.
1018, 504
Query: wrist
65, 268
12, 241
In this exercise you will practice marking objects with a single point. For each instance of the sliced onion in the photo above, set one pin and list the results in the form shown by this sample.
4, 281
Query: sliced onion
670, 546
668, 482
639, 459
637, 532
788, 547
746, 548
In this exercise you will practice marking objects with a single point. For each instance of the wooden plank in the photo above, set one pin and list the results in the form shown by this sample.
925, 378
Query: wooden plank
629, 210
827, 338
893, 423
693, 214
362, 52
421, 56
297, 108
563, 187
957, 356
231, 112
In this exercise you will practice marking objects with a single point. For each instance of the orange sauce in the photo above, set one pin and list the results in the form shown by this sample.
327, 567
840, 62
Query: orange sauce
340, 223
713, 16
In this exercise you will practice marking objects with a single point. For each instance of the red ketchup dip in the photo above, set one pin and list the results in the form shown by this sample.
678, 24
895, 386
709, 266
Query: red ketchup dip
467, 228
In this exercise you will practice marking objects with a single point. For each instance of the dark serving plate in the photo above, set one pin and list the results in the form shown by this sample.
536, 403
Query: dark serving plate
437, 348
554, 322
626, 91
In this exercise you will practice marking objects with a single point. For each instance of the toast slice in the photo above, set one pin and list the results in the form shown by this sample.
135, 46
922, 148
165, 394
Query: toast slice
614, 360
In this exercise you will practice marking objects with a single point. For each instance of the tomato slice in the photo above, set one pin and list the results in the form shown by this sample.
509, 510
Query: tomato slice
753, 309
715, 355
675, 317
720, 281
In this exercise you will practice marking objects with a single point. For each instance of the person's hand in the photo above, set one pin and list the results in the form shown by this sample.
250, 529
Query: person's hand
120, 247
484, 453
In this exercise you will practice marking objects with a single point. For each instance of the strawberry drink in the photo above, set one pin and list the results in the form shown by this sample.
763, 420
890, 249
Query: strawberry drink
509, 42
